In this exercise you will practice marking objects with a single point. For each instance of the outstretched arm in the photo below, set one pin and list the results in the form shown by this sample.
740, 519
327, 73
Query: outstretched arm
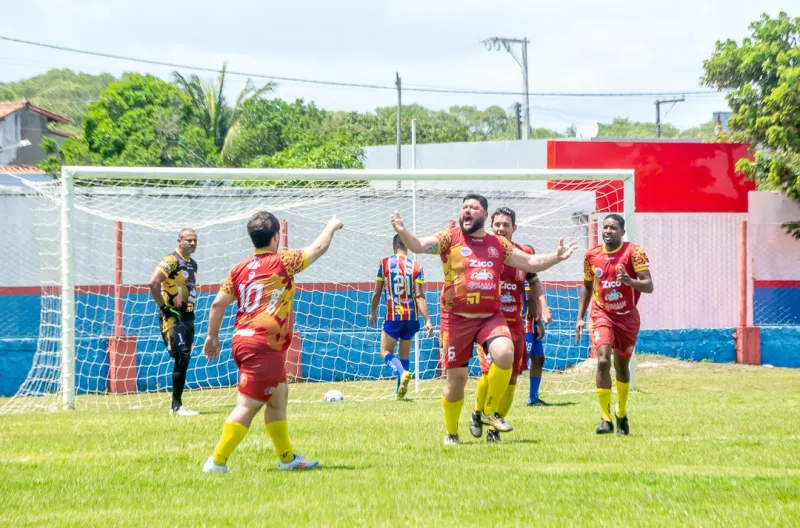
323, 240
540, 262
427, 244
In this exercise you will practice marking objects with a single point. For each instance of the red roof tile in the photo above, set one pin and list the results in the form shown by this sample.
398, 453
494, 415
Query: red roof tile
20, 169
9, 107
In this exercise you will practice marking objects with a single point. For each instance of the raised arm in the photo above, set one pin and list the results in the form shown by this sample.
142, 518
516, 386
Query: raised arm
540, 262
323, 240
427, 244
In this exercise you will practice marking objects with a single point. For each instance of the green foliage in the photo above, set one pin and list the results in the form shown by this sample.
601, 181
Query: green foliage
62, 91
212, 114
763, 78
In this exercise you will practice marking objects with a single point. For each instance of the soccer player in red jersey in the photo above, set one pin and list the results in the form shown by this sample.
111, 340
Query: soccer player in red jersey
512, 287
403, 280
615, 274
263, 287
475, 260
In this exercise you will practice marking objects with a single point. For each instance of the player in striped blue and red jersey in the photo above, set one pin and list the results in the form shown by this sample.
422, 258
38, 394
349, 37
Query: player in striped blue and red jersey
403, 281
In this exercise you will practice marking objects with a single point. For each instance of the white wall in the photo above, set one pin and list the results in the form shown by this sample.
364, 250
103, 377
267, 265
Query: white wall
775, 255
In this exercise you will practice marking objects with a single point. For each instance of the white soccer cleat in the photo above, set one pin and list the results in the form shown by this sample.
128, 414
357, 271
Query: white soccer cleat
298, 462
211, 467
184, 411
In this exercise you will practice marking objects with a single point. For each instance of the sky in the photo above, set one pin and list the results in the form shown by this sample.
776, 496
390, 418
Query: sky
575, 46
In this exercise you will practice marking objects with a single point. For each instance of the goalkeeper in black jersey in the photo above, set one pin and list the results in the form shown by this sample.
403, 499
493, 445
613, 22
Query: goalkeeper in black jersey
172, 286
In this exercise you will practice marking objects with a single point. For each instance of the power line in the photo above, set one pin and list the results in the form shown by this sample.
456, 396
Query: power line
463, 91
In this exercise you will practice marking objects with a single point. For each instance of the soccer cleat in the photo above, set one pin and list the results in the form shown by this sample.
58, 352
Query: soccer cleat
403, 388
451, 439
605, 428
183, 411
622, 425
538, 403
492, 436
298, 462
475, 424
211, 467
496, 421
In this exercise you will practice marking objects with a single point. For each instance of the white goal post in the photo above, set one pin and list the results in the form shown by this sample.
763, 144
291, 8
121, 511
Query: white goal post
132, 195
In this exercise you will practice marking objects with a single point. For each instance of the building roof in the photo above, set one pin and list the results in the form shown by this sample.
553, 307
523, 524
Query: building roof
9, 107
12, 175
20, 169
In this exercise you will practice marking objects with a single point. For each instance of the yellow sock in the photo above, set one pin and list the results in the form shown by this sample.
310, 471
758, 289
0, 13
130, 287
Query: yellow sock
622, 397
232, 434
498, 383
480, 396
508, 399
279, 434
604, 395
452, 412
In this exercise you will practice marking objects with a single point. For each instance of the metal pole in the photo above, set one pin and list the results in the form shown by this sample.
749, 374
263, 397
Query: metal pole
517, 122
526, 132
658, 119
67, 293
414, 230
399, 127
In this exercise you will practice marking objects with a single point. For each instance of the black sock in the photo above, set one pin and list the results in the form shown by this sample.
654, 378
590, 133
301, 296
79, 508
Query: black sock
179, 380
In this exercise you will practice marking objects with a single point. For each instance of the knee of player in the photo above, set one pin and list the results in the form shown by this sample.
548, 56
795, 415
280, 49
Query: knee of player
603, 363
537, 361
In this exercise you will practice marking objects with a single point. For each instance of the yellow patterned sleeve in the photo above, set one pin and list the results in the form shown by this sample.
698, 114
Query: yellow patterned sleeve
294, 261
168, 265
639, 260
444, 239
508, 249
227, 286
588, 272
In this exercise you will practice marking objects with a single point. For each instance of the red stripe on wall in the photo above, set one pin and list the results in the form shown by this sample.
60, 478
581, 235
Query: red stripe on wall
776, 283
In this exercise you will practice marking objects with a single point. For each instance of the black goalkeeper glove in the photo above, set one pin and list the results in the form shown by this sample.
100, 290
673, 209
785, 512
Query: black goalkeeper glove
169, 311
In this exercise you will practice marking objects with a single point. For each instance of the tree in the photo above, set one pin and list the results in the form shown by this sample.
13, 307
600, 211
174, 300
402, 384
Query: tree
62, 91
211, 111
762, 75
139, 120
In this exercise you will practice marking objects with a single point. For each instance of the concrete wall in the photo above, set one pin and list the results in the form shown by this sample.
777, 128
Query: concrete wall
10, 130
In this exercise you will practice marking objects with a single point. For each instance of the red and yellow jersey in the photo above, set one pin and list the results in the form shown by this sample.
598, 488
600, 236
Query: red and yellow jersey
475, 264
399, 276
512, 291
600, 267
264, 289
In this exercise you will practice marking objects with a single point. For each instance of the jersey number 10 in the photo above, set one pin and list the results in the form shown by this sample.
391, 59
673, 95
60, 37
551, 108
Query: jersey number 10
250, 296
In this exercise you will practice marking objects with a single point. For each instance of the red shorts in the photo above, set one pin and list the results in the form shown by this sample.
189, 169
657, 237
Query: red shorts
460, 333
261, 368
520, 353
619, 331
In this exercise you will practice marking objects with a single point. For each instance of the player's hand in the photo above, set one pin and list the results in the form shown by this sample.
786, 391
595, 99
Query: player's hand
579, 330
540, 330
334, 224
373, 318
397, 223
623, 276
428, 329
563, 251
169, 311
547, 316
211, 348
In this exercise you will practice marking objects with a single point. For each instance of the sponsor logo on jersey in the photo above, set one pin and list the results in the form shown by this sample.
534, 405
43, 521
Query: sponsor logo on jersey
613, 296
493, 252
508, 286
610, 284
483, 274
598, 272
185, 274
253, 264
251, 275
507, 298
481, 286
478, 263
616, 306
465, 252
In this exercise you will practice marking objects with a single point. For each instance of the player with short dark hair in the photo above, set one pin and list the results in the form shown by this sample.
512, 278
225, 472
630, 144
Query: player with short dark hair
263, 287
475, 315
403, 281
172, 286
615, 274
512, 284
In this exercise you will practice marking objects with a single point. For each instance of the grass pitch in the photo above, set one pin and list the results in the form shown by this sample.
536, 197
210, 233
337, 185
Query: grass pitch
710, 445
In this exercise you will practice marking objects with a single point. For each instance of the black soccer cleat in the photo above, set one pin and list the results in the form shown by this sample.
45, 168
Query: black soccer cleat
605, 428
493, 436
622, 425
475, 424
538, 403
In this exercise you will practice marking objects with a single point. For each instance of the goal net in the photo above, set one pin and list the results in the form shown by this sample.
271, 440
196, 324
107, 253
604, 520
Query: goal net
91, 240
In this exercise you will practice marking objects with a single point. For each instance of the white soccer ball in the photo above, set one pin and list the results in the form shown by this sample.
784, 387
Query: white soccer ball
334, 395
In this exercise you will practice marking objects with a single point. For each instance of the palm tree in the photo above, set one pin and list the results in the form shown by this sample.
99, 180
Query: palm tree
220, 121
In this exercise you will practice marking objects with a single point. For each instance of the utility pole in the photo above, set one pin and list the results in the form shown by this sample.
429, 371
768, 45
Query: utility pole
517, 122
399, 128
500, 42
658, 103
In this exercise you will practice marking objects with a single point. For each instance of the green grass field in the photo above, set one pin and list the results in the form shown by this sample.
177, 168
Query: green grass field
711, 445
